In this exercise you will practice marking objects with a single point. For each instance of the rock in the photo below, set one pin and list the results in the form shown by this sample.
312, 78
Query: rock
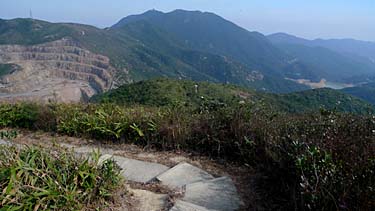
3, 142
137, 171
89, 149
149, 201
178, 159
183, 174
86, 151
186, 206
216, 194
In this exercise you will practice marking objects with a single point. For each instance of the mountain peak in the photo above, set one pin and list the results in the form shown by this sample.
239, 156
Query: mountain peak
153, 12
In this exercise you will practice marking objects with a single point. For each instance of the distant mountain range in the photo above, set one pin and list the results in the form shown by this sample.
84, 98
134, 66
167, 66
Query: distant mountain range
181, 44
335, 60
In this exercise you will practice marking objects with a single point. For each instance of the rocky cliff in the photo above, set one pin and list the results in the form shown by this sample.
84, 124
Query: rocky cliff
60, 70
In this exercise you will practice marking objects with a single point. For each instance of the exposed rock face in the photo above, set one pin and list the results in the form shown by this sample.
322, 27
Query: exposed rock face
60, 70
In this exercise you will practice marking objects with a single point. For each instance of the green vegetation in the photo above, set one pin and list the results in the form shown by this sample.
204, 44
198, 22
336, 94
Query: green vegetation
37, 179
8, 134
325, 63
365, 92
320, 161
325, 98
342, 60
170, 93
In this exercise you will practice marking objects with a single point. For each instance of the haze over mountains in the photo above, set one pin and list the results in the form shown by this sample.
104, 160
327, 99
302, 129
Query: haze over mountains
181, 44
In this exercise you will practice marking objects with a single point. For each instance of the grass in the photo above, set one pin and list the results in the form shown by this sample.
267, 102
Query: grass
315, 161
32, 178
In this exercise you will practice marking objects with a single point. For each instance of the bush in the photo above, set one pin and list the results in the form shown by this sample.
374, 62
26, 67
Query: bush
324, 161
36, 179
18, 115
313, 161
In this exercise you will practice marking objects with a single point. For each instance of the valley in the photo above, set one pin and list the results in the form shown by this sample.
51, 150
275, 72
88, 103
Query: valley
323, 83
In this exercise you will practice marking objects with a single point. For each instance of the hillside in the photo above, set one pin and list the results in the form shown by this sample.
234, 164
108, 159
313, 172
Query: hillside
210, 33
166, 92
207, 32
141, 51
334, 60
344, 46
365, 92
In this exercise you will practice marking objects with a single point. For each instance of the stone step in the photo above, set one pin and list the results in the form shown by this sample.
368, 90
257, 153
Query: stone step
3, 142
186, 206
135, 170
183, 174
149, 201
216, 194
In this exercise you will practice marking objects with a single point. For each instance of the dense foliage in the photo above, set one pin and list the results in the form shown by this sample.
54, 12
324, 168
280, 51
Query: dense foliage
169, 93
37, 179
319, 161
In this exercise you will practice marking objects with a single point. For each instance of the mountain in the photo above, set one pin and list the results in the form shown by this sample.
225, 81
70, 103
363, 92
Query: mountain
71, 62
329, 62
207, 32
168, 92
345, 46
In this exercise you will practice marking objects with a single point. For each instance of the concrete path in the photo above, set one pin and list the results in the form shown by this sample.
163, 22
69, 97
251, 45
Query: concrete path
183, 174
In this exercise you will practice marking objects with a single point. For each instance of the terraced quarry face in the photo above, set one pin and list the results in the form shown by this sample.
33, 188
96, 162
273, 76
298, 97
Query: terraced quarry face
60, 70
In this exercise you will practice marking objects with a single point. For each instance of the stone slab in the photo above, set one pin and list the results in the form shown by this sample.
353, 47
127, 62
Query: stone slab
186, 206
87, 149
149, 201
137, 171
3, 142
9, 143
183, 174
217, 194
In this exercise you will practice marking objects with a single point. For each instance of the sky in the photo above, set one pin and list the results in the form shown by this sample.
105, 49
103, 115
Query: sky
304, 18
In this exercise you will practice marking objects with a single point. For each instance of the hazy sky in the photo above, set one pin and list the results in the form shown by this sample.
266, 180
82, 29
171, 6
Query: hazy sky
305, 18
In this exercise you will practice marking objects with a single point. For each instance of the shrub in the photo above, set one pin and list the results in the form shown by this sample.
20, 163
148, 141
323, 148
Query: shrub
317, 161
18, 115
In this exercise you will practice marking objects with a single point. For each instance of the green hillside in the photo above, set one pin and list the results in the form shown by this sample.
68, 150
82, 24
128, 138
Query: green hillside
166, 92
145, 51
207, 32
210, 33
327, 63
326, 98
365, 92
335, 60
